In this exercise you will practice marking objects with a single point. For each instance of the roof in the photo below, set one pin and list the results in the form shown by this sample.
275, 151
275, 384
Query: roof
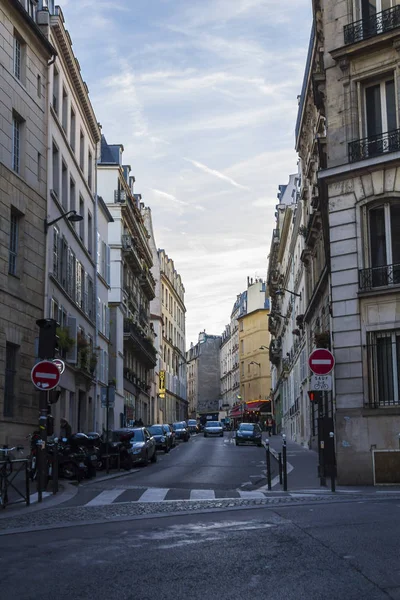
305, 82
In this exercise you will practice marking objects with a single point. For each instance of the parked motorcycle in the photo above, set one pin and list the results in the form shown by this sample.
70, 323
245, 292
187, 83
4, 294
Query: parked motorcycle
72, 463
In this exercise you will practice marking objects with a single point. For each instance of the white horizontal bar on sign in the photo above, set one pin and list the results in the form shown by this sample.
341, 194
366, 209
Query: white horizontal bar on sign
321, 361
46, 375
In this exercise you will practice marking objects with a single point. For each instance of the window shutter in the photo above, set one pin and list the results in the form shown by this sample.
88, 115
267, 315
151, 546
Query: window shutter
98, 253
105, 367
107, 322
72, 355
99, 314
108, 264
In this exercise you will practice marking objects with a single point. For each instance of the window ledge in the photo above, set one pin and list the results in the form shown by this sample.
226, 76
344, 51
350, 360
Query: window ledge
381, 411
370, 44
382, 291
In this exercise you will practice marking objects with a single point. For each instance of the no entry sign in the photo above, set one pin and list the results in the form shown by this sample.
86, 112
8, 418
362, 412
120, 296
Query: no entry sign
45, 375
321, 361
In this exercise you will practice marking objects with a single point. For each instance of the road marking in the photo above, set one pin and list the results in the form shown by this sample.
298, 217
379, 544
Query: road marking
254, 494
202, 495
154, 495
106, 497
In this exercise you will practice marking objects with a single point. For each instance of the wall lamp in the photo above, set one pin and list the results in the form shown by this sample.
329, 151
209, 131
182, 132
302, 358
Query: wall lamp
71, 216
282, 290
275, 314
253, 362
263, 348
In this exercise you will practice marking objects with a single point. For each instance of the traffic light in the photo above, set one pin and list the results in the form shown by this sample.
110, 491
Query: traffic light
311, 395
48, 338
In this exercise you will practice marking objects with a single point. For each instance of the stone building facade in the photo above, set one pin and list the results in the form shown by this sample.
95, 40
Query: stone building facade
24, 56
173, 339
204, 377
132, 287
349, 127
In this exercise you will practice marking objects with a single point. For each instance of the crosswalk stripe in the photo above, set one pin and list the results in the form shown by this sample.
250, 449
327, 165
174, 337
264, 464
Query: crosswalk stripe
154, 495
202, 495
106, 497
255, 494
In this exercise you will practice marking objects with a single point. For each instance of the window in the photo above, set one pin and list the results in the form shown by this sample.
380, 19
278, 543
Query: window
82, 151
54, 309
82, 223
13, 243
90, 294
72, 194
31, 8
380, 108
64, 110
90, 169
9, 379
71, 274
78, 283
56, 252
56, 170
383, 351
90, 234
64, 186
56, 86
241, 327
384, 246
39, 86
16, 144
73, 129
63, 262
19, 49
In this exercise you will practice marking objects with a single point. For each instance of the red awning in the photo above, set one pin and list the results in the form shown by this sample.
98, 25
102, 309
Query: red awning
255, 405
236, 411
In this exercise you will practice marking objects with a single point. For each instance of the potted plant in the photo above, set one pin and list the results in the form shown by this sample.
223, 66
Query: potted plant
322, 339
65, 341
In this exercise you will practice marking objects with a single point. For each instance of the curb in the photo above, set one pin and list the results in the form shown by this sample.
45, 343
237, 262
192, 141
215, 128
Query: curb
108, 477
66, 492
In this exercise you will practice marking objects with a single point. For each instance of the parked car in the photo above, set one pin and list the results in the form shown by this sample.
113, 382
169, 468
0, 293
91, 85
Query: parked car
213, 428
170, 433
193, 426
181, 431
249, 433
142, 444
159, 434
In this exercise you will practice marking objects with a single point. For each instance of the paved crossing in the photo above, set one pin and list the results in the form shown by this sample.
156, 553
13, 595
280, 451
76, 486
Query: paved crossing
153, 494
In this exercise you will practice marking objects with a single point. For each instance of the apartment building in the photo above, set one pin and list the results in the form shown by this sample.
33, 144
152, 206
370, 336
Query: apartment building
204, 377
24, 56
132, 356
173, 339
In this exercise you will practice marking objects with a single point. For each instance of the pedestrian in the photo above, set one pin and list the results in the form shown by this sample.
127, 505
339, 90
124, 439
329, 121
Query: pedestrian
269, 425
140, 422
65, 428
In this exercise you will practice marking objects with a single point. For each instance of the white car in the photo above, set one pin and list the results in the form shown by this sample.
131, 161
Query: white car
213, 428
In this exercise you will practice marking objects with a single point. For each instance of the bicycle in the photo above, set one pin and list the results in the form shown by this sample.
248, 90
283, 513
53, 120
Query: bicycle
6, 468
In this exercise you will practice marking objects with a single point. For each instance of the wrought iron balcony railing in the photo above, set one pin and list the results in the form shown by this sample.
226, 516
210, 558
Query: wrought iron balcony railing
374, 145
369, 27
379, 277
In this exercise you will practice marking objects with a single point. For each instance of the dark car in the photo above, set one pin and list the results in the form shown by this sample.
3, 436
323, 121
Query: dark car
159, 433
142, 446
170, 433
193, 426
249, 433
181, 431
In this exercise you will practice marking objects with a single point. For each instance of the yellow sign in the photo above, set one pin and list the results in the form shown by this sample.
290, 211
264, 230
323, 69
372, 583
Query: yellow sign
161, 384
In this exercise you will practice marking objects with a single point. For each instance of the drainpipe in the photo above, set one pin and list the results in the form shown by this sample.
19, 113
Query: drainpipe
95, 287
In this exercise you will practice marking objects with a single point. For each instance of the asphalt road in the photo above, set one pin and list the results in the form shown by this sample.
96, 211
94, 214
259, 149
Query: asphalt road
310, 552
215, 465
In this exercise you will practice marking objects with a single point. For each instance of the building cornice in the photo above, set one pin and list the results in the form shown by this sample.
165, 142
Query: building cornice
65, 43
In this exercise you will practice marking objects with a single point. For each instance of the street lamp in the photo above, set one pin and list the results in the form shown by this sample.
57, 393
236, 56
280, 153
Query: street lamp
253, 362
280, 292
71, 216
276, 314
263, 348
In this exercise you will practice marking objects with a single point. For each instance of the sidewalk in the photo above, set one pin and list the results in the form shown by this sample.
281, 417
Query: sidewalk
302, 464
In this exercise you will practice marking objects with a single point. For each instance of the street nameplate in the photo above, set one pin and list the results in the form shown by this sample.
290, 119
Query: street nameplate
321, 383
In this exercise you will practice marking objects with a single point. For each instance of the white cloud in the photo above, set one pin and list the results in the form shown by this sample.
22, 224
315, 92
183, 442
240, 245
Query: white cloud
216, 173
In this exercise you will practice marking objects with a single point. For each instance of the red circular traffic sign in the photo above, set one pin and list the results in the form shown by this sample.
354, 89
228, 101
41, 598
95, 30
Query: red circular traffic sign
45, 375
321, 361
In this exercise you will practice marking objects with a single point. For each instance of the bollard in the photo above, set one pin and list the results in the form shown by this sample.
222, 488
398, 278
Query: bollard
333, 482
55, 467
280, 467
268, 465
284, 463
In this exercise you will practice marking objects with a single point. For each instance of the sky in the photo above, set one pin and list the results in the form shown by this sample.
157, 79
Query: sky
203, 96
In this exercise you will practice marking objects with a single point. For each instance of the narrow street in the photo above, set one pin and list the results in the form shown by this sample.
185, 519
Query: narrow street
201, 469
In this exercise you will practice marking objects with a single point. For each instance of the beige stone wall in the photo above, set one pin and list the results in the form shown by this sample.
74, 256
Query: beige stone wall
21, 296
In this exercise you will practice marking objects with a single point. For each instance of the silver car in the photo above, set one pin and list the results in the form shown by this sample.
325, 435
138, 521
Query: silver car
213, 428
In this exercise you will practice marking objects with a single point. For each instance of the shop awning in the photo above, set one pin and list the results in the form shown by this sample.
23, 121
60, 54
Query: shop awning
258, 405
236, 411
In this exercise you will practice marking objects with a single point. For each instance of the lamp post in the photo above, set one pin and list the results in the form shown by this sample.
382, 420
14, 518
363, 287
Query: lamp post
281, 290
71, 216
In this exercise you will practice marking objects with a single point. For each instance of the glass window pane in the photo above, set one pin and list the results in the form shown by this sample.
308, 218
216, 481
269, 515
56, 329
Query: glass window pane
390, 106
377, 237
373, 110
395, 229
385, 370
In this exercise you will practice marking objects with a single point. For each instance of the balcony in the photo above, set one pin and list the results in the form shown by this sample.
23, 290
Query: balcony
119, 196
375, 145
130, 250
371, 26
140, 344
376, 277
148, 284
